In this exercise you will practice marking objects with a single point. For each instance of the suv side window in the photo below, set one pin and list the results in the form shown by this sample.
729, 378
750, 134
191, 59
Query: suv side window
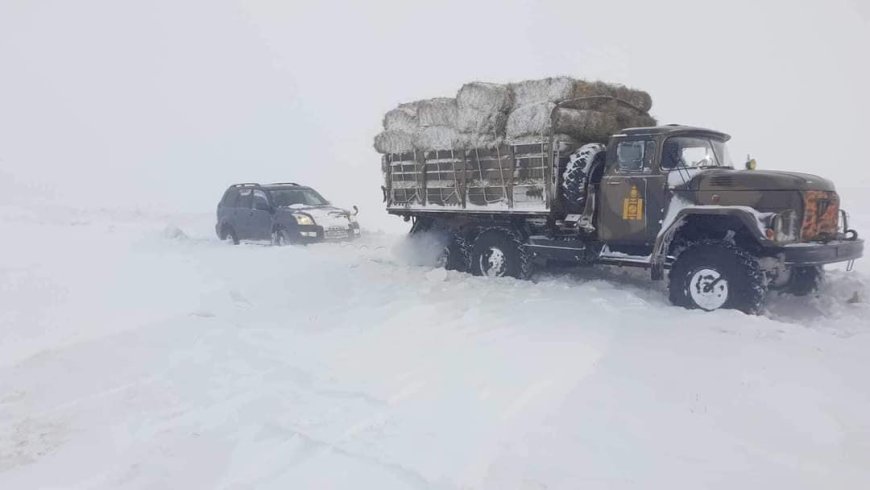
261, 200
245, 199
634, 156
231, 197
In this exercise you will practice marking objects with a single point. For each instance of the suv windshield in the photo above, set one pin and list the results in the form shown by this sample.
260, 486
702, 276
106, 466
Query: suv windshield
297, 197
694, 152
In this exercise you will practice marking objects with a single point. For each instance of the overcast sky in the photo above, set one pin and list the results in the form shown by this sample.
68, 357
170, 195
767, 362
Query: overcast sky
163, 103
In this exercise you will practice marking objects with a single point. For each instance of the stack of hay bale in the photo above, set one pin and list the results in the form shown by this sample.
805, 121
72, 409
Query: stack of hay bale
484, 115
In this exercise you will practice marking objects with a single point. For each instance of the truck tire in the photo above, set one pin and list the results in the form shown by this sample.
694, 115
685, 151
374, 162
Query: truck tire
577, 172
803, 280
456, 255
500, 252
714, 274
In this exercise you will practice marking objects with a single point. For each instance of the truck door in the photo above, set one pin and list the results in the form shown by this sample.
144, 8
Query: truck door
632, 194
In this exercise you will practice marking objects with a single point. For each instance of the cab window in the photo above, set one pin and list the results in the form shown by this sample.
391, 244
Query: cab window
634, 156
694, 152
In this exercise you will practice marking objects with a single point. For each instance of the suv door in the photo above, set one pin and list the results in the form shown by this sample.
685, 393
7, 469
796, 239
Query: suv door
632, 193
243, 212
261, 216
227, 207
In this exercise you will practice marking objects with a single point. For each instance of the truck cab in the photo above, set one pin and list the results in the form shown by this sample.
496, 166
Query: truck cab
667, 189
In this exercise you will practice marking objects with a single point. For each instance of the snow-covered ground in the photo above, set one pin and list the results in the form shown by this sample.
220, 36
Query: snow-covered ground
137, 351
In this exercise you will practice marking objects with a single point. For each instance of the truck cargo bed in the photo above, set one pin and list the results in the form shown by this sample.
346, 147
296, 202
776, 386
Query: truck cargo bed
516, 178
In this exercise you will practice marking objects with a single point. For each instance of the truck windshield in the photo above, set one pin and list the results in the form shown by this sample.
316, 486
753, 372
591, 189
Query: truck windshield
297, 197
694, 152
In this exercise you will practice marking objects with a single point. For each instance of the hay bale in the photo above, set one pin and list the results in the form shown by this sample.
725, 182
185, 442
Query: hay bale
439, 138
482, 140
585, 125
394, 142
484, 97
585, 94
580, 124
531, 92
531, 119
475, 121
402, 118
437, 112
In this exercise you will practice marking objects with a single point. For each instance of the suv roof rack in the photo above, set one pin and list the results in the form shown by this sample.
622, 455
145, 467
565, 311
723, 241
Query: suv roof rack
285, 183
248, 184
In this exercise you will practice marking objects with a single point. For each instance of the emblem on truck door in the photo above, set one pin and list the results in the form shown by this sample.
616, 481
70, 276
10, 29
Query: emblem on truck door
632, 206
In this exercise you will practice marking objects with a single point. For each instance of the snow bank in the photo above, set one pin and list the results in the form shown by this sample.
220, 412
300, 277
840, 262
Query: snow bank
128, 361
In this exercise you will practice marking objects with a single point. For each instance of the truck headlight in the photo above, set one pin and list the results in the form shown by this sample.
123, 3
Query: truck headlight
303, 219
785, 226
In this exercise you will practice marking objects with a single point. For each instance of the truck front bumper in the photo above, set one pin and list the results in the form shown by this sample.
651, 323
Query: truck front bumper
823, 253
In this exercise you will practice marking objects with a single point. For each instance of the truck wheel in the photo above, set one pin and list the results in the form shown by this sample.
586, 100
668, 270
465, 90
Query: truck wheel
713, 274
577, 172
803, 280
456, 255
499, 252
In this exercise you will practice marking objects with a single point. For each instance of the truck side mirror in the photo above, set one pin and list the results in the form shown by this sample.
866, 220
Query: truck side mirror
355, 210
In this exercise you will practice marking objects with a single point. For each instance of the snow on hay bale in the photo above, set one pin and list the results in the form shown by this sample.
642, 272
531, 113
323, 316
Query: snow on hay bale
438, 138
545, 118
437, 112
402, 118
394, 141
476, 121
532, 92
486, 114
485, 97
531, 119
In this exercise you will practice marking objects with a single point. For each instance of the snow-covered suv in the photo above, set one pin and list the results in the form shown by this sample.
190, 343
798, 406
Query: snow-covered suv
283, 213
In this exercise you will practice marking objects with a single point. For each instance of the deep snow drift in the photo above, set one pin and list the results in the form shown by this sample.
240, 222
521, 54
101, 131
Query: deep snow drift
137, 351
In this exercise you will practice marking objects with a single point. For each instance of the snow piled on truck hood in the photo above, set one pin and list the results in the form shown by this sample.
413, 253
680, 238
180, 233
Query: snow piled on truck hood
137, 351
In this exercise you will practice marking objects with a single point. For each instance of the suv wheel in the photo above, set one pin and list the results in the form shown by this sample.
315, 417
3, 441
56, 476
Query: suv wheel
280, 237
711, 275
499, 252
227, 233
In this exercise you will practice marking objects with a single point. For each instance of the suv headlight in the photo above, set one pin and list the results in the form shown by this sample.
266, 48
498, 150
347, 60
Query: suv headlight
303, 219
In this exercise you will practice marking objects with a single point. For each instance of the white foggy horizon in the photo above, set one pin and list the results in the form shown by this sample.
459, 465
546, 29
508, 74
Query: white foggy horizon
160, 105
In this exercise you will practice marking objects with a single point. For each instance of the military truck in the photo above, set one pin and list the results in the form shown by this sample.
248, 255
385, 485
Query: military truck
665, 198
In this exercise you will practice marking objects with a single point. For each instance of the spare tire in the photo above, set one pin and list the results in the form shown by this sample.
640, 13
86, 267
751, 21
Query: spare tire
576, 174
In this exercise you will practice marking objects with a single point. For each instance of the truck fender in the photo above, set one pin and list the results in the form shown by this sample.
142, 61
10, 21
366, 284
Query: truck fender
751, 219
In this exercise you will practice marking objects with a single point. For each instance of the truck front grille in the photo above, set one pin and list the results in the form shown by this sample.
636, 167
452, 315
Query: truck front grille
821, 215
